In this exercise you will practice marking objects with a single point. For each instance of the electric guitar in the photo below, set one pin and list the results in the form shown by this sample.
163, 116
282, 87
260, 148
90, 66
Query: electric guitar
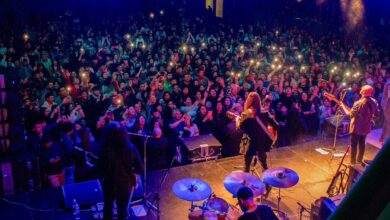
346, 108
269, 130
331, 97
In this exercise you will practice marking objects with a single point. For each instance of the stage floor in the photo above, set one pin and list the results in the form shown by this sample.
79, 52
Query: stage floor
315, 171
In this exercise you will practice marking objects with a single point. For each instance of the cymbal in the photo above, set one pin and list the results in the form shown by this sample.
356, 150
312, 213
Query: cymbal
280, 177
234, 181
191, 189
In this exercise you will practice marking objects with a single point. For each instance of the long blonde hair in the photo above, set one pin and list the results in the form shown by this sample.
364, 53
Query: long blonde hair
253, 102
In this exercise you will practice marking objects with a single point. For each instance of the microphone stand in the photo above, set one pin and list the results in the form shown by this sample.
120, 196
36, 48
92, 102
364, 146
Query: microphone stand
156, 198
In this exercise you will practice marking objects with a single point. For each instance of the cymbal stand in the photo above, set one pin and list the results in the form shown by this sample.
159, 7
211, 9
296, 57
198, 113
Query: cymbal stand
280, 213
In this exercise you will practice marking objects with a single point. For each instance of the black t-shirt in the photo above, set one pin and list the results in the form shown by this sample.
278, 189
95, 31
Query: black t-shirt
287, 100
262, 213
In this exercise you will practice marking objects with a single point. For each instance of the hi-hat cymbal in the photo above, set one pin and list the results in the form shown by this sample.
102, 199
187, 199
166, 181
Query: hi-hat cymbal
191, 189
234, 181
280, 177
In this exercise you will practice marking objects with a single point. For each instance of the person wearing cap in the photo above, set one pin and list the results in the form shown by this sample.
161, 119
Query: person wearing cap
362, 113
250, 209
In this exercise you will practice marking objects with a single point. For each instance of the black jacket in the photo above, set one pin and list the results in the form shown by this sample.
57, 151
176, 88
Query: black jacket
260, 141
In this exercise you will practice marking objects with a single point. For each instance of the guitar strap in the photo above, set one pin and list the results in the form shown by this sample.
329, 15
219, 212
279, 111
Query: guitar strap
264, 128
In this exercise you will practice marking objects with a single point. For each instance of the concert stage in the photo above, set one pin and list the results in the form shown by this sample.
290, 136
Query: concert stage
315, 171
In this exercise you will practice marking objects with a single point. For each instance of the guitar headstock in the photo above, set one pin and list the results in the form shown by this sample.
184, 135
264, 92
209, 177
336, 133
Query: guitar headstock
231, 115
331, 97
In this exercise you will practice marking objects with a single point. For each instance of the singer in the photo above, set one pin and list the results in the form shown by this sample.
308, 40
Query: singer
362, 114
119, 162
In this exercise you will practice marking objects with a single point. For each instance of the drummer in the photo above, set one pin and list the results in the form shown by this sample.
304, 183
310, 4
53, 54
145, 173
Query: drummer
250, 209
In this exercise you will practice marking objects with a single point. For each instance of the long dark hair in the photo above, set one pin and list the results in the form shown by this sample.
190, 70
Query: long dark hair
115, 138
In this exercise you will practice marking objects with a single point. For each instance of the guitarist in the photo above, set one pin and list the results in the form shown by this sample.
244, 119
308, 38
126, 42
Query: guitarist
250, 123
362, 113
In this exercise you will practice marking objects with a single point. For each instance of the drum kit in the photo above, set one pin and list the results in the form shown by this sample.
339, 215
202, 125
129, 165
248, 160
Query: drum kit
215, 208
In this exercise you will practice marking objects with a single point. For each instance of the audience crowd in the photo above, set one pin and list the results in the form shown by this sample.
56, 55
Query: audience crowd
172, 78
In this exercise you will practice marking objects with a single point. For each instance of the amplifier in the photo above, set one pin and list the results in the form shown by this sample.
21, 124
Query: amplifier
203, 147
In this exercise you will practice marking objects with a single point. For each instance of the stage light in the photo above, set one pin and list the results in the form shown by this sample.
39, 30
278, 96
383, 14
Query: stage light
273, 48
151, 15
299, 56
131, 44
170, 64
143, 46
347, 73
258, 44
344, 84
26, 37
127, 36
83, 75
276, 33
276, 59
238, 75
161, 12
299, 1
257, 63
203, 44
273, 66
82, 50
232, 73
332, 70
192, 49
279, 66
241, 47
303, 68
251, 61
184, 47
291, 67
69, 88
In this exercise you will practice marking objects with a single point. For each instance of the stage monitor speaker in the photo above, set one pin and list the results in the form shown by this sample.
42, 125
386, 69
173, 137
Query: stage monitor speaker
355, 172
323, 207
20, 176
85, 193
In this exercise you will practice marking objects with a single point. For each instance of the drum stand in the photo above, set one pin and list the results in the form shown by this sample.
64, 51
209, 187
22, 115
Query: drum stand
280, 213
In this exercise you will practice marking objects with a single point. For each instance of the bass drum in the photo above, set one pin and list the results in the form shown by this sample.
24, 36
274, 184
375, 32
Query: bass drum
202, 215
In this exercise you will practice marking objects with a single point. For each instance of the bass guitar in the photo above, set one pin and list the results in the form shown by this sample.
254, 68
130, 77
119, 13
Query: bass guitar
269, 130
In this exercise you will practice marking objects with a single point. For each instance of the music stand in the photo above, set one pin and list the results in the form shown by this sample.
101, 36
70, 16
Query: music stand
336, 120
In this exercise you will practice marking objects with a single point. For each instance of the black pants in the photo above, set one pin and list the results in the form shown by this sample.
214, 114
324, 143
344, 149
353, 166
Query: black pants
357, 140
262, 157
120, 193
